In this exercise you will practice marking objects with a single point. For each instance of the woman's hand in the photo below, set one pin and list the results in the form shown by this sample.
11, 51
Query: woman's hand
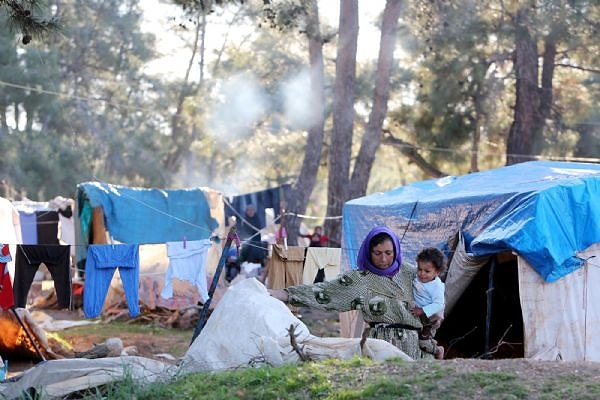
417, 311
279, 294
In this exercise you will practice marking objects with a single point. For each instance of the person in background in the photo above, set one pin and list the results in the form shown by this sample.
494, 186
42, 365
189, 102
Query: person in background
232, 264
253, 249
248, 227
317, 239
380, 288
428, 291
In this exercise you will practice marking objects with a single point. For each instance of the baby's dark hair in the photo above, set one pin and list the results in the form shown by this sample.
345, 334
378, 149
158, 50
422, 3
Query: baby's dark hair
433, 255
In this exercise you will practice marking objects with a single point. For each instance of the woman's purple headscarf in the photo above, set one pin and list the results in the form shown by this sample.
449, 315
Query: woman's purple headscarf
364, 254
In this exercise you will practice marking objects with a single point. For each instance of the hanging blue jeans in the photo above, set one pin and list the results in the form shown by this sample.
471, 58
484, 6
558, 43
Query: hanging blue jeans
102, 261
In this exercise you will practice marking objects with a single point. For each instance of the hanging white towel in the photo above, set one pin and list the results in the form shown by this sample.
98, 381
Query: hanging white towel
325, 258
187, 261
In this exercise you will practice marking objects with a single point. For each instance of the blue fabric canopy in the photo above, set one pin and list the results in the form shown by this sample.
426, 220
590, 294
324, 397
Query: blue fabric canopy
142, 216
544, 211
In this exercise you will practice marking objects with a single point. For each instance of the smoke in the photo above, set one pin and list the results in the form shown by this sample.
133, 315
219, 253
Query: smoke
242, 104
244, 108
296, 98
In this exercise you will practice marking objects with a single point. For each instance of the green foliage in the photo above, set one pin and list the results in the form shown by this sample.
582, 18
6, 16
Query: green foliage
89, 114
23, 17
92, 112
462, 77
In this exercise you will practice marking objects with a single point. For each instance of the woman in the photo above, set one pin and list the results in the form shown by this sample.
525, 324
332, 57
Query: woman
381, 289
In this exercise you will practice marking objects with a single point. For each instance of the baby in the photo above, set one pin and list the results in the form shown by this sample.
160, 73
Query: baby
428, 291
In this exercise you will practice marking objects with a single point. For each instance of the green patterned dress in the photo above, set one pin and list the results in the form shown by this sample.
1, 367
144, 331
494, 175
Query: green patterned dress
382, 301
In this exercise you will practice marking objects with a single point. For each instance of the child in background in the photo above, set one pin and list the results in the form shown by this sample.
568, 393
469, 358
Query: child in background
317, 239
428, 291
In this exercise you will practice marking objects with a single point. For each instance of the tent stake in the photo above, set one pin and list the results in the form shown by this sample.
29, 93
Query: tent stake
232, 235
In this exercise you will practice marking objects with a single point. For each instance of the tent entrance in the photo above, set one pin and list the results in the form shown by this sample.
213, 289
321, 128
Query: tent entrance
486, 324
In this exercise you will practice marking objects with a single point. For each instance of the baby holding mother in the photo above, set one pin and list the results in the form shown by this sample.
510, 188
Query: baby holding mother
380, 288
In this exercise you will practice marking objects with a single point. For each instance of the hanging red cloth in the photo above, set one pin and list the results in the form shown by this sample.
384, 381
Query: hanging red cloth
7, 299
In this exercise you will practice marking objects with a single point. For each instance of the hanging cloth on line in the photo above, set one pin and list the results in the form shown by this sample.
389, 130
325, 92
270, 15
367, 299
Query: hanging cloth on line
27, 262
187, 261
7, 299
102, 261
321, 262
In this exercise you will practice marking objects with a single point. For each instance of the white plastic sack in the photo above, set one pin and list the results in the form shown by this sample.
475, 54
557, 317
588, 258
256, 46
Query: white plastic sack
249, 327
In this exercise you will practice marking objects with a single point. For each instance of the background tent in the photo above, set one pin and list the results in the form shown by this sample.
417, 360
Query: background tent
144, 216
545, 213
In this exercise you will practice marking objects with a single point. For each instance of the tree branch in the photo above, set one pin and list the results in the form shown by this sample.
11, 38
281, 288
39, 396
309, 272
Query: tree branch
593, 70
410, 151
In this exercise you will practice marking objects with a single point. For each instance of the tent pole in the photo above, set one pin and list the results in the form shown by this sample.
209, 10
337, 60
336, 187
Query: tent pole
488, 314
37, 349
231, 236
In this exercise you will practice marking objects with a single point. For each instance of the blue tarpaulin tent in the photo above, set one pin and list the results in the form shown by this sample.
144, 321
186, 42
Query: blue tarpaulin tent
545, 212
142, 216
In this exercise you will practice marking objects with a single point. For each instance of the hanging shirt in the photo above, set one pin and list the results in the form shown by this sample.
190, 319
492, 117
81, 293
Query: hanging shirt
28, 227
187, 262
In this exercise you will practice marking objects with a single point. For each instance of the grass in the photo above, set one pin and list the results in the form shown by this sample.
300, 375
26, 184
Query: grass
363, 379
359, 379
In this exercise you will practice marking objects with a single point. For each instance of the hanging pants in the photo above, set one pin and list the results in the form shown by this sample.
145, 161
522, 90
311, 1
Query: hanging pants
101, 263
27, 262
189, 264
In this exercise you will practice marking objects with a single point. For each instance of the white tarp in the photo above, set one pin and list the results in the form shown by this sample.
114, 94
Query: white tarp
58, 378
250, 327
561, 320
461, 272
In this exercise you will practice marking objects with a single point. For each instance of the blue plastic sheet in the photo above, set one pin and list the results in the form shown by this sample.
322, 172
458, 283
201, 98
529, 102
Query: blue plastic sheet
544, 211
142, 216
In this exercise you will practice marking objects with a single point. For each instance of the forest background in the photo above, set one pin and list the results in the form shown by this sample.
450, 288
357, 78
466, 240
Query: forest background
270, 92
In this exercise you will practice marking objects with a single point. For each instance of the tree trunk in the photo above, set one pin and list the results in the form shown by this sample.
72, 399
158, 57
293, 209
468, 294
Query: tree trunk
547, 77
299, 195
343, 118
372, 136
179, 142
477, 126
522, 134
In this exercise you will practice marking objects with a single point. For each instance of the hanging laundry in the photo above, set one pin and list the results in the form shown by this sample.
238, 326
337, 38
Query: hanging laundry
269, 198
28, 227
27, 262
66, 224
47, 227
285, 267
102, 261
321, 264
7, 299
187, 261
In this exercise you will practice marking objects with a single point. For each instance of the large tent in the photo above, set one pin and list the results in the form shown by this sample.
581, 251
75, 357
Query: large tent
523, 241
